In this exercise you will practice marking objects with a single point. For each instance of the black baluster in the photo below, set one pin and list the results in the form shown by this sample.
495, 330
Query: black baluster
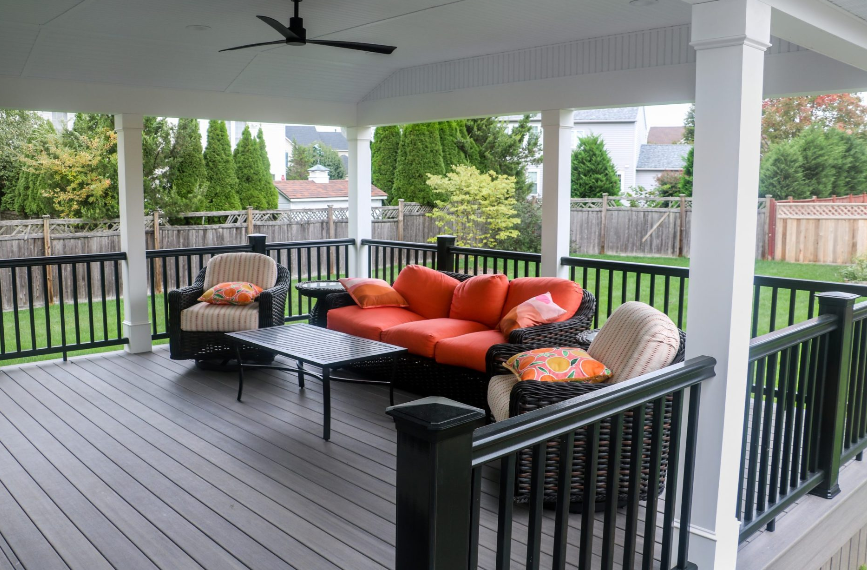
14, 271
636, 451
29, 271
688, 476
104, 300
537, 494
46, 305
612, 497
504, 512
564, 497
89, 282
651, 511
672, 476
588, 511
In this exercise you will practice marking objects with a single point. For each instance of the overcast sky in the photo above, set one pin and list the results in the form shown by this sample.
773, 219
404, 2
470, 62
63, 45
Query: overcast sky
666, 115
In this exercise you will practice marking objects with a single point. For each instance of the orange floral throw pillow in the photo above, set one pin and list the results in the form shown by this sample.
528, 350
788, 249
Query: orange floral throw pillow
234, 293
539, 310
558, 365
369, 293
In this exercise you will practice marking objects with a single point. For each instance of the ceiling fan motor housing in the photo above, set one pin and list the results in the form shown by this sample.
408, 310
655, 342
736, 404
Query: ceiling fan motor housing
296, 26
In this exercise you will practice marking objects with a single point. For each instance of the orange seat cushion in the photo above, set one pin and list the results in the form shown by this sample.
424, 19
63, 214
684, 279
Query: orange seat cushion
480, 299
567, 294
368, 323
468, 350
428, 292
421, 337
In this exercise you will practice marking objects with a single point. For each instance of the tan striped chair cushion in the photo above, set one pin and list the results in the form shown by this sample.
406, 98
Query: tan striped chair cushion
204, 317
635, 340
499, 390
253, 268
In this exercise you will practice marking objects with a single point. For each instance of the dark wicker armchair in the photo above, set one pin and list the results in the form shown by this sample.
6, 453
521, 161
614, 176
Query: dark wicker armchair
425, 377
530, 395
212, 345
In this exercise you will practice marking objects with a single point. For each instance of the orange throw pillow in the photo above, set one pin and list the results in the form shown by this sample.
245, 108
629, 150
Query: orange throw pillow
371, 293
233, 293
480, 299
539, 310
558, 365
428, 292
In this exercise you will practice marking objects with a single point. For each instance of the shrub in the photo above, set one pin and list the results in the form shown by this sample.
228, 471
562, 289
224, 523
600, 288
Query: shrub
857, 272
593, 172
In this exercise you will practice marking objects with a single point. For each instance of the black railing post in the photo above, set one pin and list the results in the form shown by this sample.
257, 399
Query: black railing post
257, 242
434, 481
835, 389
445, 258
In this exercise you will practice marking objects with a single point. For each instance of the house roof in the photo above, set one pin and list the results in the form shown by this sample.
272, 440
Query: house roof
665, 135
307, 189
662, 156
617, 115
307, 134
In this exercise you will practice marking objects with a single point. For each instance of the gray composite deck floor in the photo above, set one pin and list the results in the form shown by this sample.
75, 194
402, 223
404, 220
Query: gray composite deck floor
137, 461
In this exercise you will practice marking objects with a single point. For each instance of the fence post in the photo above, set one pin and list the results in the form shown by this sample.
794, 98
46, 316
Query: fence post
49, 275
400, 220
770, 227
158, 263
445, 258
682, 229
249, 220
257, 243
835, 390
603, 224
434, 481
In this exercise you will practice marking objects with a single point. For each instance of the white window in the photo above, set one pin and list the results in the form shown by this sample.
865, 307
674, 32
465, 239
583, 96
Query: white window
576, 134
533, 179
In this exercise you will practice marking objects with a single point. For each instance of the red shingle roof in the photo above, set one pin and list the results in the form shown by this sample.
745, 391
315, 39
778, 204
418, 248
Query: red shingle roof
665, 135
300, 189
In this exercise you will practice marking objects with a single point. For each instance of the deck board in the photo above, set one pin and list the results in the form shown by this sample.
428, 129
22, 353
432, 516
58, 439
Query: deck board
138, 461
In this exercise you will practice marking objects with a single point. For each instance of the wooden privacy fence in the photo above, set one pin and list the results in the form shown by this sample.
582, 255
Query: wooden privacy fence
815, 231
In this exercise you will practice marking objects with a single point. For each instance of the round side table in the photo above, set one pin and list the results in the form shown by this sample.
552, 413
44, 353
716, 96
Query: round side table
318, 290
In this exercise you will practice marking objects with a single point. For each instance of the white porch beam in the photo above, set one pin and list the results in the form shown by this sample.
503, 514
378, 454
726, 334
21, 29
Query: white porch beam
557, 127
822, 27
136, 325
730, 37
360, 226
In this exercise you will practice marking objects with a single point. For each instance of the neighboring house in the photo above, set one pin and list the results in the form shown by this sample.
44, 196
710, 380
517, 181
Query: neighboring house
665, 135
624, 130
306, 135
654, 159
319, 191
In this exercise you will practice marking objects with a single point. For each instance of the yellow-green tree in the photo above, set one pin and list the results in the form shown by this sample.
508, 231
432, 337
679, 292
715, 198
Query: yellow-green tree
478, 208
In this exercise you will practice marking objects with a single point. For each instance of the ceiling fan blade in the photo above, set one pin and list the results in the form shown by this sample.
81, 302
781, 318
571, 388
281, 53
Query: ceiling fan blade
256, 45
284, 31
373, 48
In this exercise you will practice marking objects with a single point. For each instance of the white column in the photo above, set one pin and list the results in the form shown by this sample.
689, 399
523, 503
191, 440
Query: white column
360, 226
136, 325
556, 189
730, 37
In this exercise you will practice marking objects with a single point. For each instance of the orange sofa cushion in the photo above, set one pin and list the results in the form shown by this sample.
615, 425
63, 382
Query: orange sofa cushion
428, 292
480, 299
368, 323
567, 294
371, 293
421, 337
468, 350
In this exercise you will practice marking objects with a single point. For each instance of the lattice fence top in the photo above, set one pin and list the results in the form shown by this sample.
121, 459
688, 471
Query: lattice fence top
630, 202
826, 211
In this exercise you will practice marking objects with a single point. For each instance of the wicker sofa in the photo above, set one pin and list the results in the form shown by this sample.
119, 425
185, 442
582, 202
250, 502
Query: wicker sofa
426, 377
197, 330
528, 395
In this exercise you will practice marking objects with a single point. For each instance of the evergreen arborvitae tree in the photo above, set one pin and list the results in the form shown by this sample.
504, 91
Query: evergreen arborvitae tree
781, 173
187, 174
452, 155
252, 190
689, 126
266, 171
383, 157
301, 160
222, 192
820, 161
852, 171
156, 155
29, 196
686, 177
420, 154
593, 173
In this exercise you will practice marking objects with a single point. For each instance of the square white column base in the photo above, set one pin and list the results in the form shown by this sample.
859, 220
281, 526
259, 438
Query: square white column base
139, 335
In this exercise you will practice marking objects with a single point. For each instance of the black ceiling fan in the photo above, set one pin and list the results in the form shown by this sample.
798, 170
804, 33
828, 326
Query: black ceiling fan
296, 35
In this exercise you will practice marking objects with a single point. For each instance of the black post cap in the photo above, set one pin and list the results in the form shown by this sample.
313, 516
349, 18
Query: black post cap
435, 414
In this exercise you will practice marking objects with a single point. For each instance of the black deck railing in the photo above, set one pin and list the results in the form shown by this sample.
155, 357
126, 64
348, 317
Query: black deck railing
386, 258
60, 304
441, 456
804, 411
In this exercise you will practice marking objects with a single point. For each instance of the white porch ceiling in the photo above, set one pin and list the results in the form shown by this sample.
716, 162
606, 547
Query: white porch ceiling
138, 43
855, 7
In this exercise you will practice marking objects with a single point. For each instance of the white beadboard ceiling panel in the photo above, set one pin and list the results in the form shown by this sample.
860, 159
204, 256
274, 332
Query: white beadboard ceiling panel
16, 40
34, 11
105, 59
856, 7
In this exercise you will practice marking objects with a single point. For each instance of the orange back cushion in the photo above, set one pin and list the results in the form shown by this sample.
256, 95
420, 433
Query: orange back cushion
480, 299
428, 292
565, 293
369, 293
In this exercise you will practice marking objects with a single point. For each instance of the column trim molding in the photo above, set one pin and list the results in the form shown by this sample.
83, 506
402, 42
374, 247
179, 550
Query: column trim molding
730, 41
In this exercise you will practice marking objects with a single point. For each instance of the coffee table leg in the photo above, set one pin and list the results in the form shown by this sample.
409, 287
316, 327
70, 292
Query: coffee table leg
240, 370
326, 403
391, 380
300, 374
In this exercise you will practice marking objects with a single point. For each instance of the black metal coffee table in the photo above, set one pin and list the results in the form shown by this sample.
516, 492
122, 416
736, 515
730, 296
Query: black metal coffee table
309, 344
